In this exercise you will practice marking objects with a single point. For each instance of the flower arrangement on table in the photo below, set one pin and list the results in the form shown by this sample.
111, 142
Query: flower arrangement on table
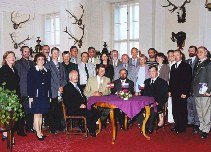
125, 94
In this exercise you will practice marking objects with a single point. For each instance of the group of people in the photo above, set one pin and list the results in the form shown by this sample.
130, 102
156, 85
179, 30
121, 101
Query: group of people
183, 86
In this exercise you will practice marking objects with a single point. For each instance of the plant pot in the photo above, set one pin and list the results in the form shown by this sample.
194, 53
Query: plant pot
125, 98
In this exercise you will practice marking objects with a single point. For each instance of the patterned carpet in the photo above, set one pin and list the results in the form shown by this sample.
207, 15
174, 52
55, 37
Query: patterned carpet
131, 140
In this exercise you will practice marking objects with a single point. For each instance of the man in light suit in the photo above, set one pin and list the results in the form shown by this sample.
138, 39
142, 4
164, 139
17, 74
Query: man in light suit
86, 70
125, 65
58, 81
134, 61
92, 56
114, 59
202, 90
74, 55
23, 65
191, 105
97, 86
100, 88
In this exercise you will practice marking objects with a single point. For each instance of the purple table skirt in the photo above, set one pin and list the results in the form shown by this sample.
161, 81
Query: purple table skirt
130, 107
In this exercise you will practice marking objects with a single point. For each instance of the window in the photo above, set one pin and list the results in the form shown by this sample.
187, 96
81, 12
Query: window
52, 30
125, 26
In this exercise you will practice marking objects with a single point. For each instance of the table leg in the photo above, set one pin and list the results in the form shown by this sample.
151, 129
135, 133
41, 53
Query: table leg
147, 108
113, 125
99, 126
125, 122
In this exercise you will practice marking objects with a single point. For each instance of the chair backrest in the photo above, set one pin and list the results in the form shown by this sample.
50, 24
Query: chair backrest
64, 110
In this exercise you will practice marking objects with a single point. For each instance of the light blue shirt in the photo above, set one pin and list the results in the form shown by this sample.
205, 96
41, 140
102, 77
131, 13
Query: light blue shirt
140, 78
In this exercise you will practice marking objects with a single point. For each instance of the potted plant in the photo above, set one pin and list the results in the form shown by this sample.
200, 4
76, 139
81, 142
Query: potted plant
10, 107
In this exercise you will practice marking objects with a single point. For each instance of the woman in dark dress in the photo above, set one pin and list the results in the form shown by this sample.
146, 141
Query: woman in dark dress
38, 86
109, 69
9, 75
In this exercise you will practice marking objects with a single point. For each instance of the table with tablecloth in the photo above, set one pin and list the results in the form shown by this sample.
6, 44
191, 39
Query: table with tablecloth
130, 107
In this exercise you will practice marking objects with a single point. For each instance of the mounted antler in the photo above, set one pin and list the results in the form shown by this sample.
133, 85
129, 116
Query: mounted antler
76, 41
77, 21
181, 10
13, 41
17, 25
183, 5
22, 42
170, 4
16, 45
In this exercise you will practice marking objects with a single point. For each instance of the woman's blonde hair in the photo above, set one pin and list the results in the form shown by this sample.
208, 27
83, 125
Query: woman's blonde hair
5, 56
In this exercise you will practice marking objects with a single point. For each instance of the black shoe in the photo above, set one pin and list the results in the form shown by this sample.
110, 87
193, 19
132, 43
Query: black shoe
44, 136
23, 134
40, 139
149, 131
4, 138
195, 129
30, 130
204, 135
180, 131
53, 132
173, 129
93, 134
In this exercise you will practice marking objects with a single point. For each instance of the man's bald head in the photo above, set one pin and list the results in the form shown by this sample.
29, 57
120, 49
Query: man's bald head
73, 76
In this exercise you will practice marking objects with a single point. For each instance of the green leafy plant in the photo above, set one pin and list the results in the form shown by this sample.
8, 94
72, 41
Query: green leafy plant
10, 107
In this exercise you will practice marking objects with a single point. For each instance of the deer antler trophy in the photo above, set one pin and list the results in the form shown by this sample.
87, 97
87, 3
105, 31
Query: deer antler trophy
16, 44
79, 23
15, 24
181, 10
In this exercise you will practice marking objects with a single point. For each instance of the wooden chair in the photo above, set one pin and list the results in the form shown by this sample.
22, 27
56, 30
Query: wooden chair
70, 125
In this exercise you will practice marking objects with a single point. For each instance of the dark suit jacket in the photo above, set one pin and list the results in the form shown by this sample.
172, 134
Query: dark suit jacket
202, 74
23, 67
72, 98
180, 80
158, 90
71, 66
118, 86
11, 78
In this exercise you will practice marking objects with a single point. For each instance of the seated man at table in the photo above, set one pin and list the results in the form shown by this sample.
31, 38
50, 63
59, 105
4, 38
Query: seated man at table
121, 84
157, 88
75, 102
97, 86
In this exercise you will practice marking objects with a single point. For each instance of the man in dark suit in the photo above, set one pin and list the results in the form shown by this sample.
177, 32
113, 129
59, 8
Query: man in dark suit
202, 90
69, 66
76, 103
191, 105
23, 65
58, 81
179, 89
121, 84
157, 88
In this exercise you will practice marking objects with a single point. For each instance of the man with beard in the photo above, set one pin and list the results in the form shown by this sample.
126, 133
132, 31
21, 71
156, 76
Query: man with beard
23, 65
121, 84
191, 105
151, 61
